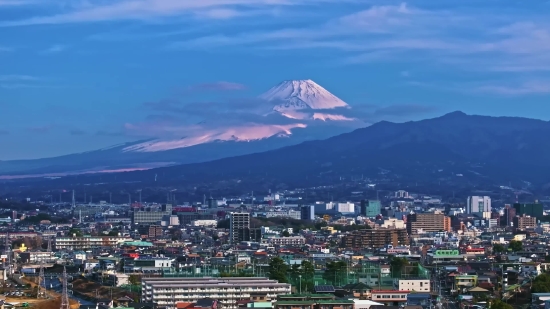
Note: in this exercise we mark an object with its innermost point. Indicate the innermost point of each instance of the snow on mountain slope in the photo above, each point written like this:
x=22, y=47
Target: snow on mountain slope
x=300, y=95
x=240, y=134
x=303, y=101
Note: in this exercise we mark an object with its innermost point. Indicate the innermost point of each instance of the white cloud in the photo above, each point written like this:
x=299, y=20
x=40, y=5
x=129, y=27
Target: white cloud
x=98, y=11
x=57, y=48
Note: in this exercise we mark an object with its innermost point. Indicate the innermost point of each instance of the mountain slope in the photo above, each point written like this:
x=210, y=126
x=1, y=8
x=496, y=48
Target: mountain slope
x=209, y=140
x=501, y=149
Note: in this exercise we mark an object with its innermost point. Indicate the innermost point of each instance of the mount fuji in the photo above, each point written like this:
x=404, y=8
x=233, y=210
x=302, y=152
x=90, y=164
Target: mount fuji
x=292, y=112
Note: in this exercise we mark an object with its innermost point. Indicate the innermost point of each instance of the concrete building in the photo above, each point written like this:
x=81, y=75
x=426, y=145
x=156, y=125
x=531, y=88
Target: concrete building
x=375, y=238
x=239, y=224
x=204, y=223
x=417, y=285
x=88, y=242
x=165, y=292
x=150, y=216
x=525, y=222
x=534, y=210
x=370, y=208
x=307, y=213
x=291, y=240
x=427, y=222
x=479, y=205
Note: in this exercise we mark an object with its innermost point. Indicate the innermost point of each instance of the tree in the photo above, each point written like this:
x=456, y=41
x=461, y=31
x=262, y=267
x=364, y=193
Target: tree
x=334, y=272
x=76, y=232
x=541, y=284
x=286, y=233
x=397, y=265
x=308, y=274
x=515, y=245
x=499, y=304
x=278, y=270
x=498, y=248
x=134, y=279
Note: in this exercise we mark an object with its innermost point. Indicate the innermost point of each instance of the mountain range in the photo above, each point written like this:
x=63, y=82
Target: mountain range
x=452, y=148
x=289, y=113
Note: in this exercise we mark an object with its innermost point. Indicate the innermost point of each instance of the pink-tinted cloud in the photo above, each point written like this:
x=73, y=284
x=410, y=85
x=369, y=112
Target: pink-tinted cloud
x=216, y=86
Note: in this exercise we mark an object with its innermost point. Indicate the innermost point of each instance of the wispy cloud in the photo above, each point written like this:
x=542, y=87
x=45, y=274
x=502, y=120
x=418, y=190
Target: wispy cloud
x=41, y=129
x=101, y=11
x=215, y=87
x=475, y=39
x=523, y=88
x=4, y=132
x=5, y=49
x=57, y=48
x=17, y=78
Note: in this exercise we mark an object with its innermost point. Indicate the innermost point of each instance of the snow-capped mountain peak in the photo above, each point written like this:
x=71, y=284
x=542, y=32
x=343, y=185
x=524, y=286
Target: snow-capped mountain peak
x=301, y=94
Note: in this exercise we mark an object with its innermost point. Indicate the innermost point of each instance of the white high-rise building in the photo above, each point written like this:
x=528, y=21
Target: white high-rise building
x=479, y=205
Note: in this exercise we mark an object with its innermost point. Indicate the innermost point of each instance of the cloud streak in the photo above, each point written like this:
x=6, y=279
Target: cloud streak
x=216, y=87
x=101, y=11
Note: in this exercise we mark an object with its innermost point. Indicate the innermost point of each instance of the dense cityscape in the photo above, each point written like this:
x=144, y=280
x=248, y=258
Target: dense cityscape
x=274, y=154
x=277, y=251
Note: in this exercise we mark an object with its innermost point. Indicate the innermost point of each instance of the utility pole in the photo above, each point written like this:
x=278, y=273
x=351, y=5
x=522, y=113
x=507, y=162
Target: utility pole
x=41, y=283
x=65, y=294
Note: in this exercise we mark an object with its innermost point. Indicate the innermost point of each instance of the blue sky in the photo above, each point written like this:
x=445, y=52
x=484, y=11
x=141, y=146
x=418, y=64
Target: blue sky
x=78, y=75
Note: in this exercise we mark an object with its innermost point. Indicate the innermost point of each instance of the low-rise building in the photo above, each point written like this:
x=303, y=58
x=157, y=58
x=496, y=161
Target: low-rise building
x=166, y=292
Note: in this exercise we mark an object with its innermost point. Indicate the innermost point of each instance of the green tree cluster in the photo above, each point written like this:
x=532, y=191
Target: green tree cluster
x=335, y=271
x=541, y=284
x=499, y=304
x=278, y=270
x=302, y=275
x=515, y=245
x=497, y=248
x=76, y=232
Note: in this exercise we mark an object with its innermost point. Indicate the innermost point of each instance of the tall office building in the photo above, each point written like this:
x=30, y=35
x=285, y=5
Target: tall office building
x=509, y=215
x=479, y=205
x=307, y=212
x=370, y=208
x=533, y=210
x=239, y=226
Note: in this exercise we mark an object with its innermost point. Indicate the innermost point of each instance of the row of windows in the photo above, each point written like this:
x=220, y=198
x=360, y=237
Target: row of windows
x=394, y=296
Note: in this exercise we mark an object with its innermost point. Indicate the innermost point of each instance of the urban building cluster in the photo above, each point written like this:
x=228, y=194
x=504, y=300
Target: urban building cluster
x=402, y=250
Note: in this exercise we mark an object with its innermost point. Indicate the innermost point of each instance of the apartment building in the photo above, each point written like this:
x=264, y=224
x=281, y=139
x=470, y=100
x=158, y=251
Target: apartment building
x=166, y=292
x=389, y=297
x=88, y=242
x=525, y=222
x=151, y=216
x=291, y=240
x=375, y=238
x=239, y=223
x=427, y=222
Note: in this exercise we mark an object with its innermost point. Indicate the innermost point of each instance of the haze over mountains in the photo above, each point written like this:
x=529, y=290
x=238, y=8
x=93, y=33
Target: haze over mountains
x=289, y=113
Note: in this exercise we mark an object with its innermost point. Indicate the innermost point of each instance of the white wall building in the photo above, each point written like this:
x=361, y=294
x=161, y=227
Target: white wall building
x=417, y=285
x=479, y=205
x=167, y=291
x=204, y=223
